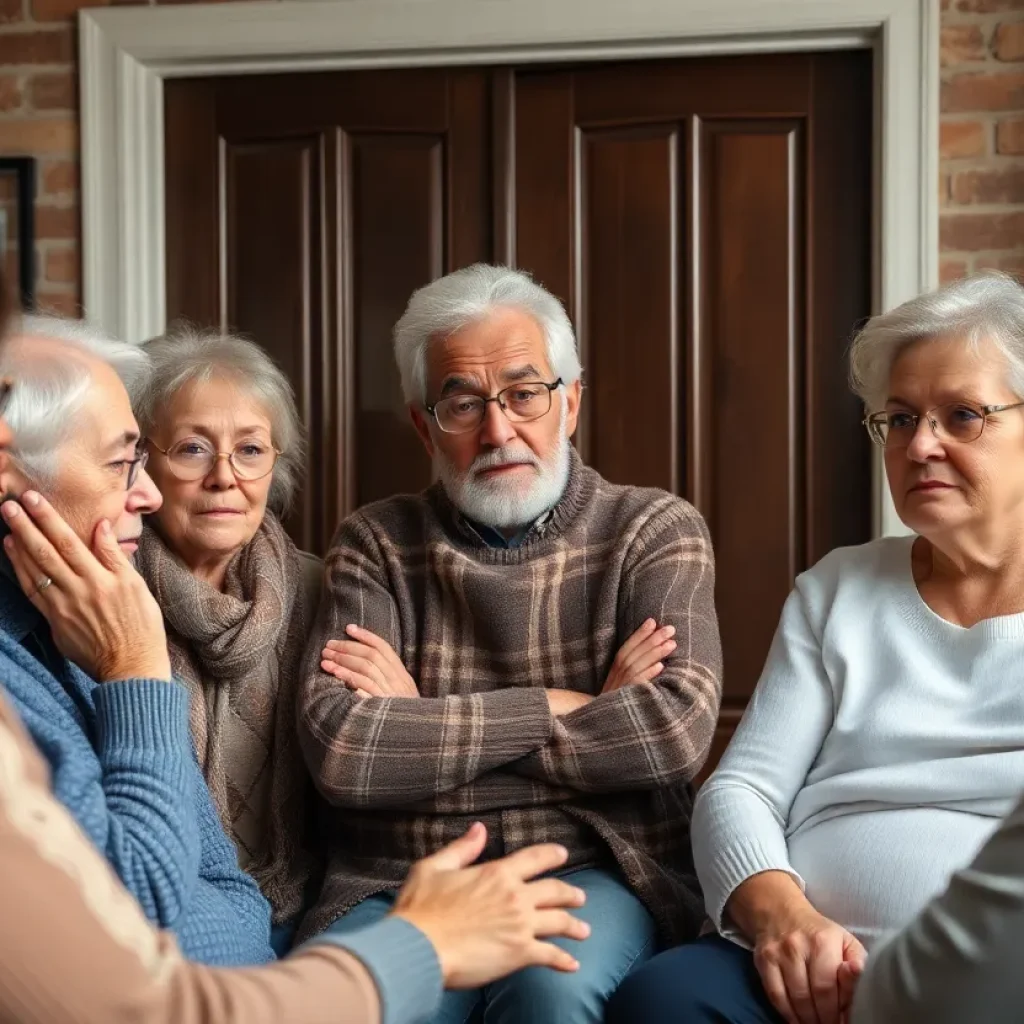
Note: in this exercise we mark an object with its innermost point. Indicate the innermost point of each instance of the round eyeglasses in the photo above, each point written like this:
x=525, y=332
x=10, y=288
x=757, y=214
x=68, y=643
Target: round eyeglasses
x=519, y=402
x=961, y=422
x=193, y=459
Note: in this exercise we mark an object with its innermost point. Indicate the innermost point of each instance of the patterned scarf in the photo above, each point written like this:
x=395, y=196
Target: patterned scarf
x=239, y=653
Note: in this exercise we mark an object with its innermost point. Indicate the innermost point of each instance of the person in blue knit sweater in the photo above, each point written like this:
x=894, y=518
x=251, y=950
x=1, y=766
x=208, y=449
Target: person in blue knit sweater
x=83, y=654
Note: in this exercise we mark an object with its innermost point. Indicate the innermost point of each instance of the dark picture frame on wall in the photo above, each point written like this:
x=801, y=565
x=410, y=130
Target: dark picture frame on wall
x=17, y=226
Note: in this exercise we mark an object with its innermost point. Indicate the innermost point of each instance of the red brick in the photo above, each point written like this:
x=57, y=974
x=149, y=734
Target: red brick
x=59, y=303
x=57, y=91
x=989, y=6
x=1009, y=41
x=11, y=10
x=989, y=185
x=944, y=179
x=37, y=136
x=1002, y=90
x=959, y=43
x=61, y=10
x=975, y=232
x=10, y=93
x=56, y=222
x=50, y=46
x=61, y=266
x=959, y=139
x=1010, y=136
x=60, y=176
x=952, y=270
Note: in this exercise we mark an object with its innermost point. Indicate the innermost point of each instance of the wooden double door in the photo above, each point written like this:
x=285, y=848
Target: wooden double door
x=706, y=222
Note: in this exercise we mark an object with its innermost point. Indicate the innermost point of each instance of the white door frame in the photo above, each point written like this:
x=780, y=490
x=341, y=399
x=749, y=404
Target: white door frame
x=126, y=53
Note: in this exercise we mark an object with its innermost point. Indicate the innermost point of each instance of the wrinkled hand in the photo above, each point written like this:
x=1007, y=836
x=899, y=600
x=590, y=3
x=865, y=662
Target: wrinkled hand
x=100, y=611
x=809, y=967
x=368, y=665
x=489, y=920
x=639, y=659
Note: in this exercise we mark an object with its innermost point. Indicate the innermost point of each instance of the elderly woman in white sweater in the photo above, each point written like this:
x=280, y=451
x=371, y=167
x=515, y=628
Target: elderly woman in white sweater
x=885, y=739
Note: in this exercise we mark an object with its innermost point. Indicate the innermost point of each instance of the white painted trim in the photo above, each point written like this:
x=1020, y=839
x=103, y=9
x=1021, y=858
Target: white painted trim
x=127, y=52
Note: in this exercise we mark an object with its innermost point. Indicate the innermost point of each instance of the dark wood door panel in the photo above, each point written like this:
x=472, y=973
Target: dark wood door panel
x=752, y=479
x=630, y=184
x=274, y=249
x=396, y=204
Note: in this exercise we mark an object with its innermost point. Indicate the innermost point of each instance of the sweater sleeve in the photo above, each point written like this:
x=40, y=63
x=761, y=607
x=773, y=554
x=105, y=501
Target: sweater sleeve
x=74, y=945
x=389, y=751
x=740, y=815
x=142, y=805
x=959, y=960
x=218, y=866
x=659, y=733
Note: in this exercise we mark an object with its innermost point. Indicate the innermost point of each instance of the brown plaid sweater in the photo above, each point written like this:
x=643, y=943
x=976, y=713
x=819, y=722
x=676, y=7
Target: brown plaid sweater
x=484, y=631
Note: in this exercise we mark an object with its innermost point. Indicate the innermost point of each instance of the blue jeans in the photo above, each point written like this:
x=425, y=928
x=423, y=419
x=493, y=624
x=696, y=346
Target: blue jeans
x=710, y=981
x=622, y=935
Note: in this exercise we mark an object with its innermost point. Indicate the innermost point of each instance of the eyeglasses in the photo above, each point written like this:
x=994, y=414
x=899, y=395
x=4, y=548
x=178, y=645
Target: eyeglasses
x=135, y=467
x=519, y=402
x=957, y=421
x=192, y=459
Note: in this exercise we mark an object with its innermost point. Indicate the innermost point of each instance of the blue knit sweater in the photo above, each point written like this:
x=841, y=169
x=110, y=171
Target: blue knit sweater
x=122, y=763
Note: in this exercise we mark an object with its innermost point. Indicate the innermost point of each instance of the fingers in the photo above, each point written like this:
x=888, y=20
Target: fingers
x=551, y=924
x=39, y=554
x=545, y=954
x=382, y=647
x=29, y=574
x=54, y=545
x=847, y=977
x=458, y=854
x=854, y=954
x=106, y=549
x=798, y=988
x=822, y=975
x=551, y=893
x=641, y=633
x=355, y=664
x=535, y=860
x=659, y=646
x=775, y=990
x=353, y=680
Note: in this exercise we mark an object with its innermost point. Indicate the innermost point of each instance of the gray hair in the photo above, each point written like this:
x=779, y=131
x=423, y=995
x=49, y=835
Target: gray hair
x=49, y=392
x=467, y=296
x=188, y=355
x=987, y=306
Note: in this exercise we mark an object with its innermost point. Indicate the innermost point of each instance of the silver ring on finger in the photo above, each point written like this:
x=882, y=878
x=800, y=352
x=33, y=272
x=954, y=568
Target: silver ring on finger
x=43, y=584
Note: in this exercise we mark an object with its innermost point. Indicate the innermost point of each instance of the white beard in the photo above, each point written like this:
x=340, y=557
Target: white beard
x=508, y=504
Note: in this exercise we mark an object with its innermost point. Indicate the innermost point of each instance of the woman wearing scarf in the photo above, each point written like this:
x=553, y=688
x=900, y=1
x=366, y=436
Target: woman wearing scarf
x=238, y=597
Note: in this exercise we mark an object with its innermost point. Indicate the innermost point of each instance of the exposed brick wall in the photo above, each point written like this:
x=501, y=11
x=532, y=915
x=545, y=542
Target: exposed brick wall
x=982, y=133
x=981, y=182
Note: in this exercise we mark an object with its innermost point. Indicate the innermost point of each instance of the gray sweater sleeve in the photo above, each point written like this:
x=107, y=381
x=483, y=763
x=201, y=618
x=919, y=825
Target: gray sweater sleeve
x=960, y=959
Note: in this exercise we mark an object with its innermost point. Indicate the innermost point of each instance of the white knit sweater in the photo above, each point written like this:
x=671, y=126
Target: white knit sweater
x=880, y=749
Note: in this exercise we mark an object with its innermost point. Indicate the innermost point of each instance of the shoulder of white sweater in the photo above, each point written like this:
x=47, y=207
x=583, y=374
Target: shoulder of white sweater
x=856, y=566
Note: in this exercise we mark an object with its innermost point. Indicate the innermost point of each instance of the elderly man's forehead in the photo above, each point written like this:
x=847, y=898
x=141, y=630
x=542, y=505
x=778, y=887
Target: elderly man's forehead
x=38, y=348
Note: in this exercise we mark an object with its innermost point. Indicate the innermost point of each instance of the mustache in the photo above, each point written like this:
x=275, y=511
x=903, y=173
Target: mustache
x=503, y=457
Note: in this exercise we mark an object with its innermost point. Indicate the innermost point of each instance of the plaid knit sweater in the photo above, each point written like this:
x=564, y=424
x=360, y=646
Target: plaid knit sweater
x=484, y=631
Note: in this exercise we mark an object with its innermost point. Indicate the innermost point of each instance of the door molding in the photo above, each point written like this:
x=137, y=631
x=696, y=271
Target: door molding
x=126, y=53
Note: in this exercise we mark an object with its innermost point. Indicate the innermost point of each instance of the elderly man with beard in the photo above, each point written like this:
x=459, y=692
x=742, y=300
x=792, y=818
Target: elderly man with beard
x=524, y=644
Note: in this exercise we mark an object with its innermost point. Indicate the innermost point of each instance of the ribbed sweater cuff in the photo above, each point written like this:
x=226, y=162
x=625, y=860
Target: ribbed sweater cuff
x=732, y=866
x=403, y=964
x=520, y=715
x=143, y=715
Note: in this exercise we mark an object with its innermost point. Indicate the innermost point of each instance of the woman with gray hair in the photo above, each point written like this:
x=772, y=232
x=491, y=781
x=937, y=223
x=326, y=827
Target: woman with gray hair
x=225, y=450
x=885, y=739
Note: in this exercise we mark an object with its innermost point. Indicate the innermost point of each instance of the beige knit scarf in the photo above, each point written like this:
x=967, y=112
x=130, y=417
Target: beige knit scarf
x=239, y=652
